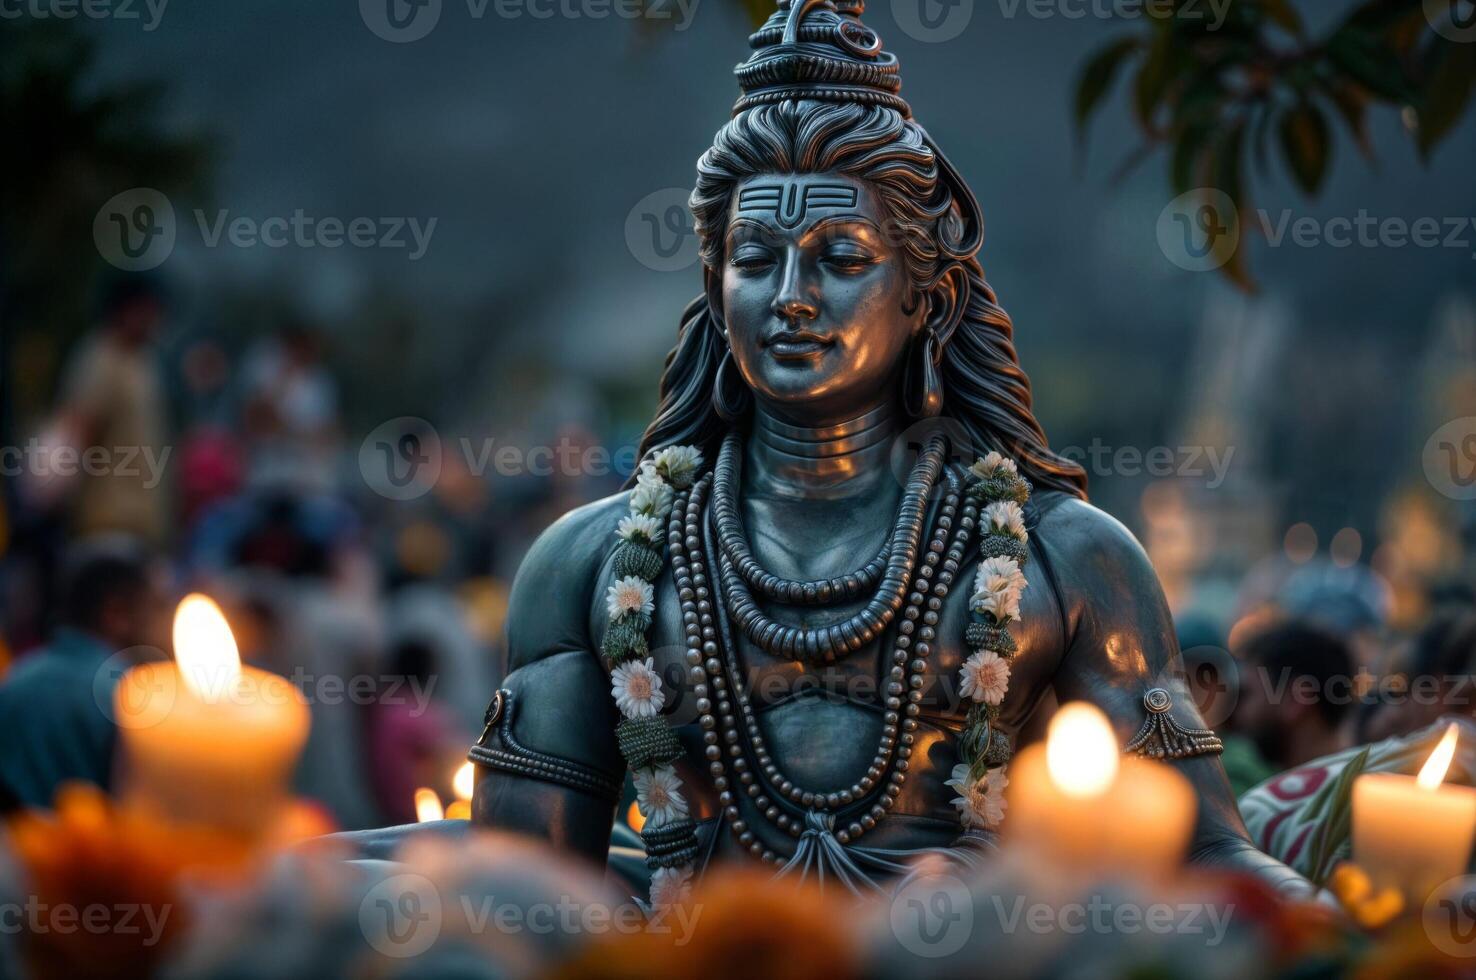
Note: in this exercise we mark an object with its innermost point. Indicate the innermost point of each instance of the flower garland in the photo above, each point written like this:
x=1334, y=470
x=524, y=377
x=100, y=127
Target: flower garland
x=985, y=676
x=646, y=741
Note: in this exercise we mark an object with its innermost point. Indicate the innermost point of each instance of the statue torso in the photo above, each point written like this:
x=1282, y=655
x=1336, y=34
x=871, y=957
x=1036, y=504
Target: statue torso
x=822, y=723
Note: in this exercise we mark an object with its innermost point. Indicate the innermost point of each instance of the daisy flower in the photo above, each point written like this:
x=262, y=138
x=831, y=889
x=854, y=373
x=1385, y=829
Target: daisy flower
x=630, y=595
x=679, y=464
x=985, y=677
x=1006, y=516
x=652, y=495
x=992, y=465
x=641, y=528
x=670, y=886
x=981, y=803
x=637, y=689
x=658, y=794
x=997, y=588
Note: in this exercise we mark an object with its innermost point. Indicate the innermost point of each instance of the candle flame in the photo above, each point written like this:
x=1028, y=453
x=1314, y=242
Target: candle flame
x=1081, y=750
x=464, y=781
x=635, y=817
x=204, y=648
x=428, y=805
x=1433, y=771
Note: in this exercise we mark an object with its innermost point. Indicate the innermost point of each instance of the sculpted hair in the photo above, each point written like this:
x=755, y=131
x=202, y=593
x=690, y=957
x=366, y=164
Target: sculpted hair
x=984, y=388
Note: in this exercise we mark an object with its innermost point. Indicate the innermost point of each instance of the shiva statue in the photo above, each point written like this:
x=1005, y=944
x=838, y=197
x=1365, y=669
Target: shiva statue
x=805, y=652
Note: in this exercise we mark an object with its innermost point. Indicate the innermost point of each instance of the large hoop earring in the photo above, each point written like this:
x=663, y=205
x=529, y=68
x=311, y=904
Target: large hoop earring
x=731, y=398
x=922, y=392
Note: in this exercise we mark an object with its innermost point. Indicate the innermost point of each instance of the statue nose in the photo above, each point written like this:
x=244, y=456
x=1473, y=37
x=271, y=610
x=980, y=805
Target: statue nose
x=790, y=302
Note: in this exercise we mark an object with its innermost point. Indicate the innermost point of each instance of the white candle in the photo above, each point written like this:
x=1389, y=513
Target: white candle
x=205, y=739
x=1083, y=807
x=1414, y=833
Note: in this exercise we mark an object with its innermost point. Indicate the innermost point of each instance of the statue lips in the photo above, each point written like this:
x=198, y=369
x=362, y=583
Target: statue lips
x=796, y=345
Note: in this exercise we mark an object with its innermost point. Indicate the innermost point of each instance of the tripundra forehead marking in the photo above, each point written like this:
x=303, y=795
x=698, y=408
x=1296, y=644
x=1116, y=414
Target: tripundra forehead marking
x=789, y=201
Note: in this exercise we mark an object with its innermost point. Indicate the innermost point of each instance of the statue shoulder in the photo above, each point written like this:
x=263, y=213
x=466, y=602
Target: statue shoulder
x=1095, y=560
x=549, y=606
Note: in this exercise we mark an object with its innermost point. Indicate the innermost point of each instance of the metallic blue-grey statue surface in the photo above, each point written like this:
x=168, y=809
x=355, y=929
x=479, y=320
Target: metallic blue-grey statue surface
x=814, y=627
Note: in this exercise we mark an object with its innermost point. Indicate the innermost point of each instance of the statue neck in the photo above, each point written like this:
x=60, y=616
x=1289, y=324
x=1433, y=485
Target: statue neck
x=821, y=462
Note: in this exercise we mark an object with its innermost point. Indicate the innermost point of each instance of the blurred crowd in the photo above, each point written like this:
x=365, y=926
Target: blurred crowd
x=230, y=472
x=164, y=468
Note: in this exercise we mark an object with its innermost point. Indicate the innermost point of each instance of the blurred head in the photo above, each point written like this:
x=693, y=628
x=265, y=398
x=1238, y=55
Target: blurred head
x=1296, y=692
x=132, y=308
x=1440, y=672
x=107, y=592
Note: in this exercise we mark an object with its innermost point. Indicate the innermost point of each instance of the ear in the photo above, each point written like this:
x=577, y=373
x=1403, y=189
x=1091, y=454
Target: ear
x=712, y=285
x=944, y=305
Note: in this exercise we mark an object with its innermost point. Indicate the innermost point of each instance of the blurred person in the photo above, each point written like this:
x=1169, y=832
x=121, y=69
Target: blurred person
x=1296, y=694
x=56, y=703
x=290, y=411
x=104, y=453
x=1440, y=678
x=412, y=742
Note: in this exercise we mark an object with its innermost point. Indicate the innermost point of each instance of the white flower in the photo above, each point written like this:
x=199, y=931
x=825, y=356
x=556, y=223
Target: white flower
x=630, y=595
x=658, y=794
x=997, y=588
x=670, y=886
x=993, y=464
x=638, y=527
x=1006, y=516
x=985, y=677
x=679, y=464
x=637, y=689
x=982, y=803
x=652, y=496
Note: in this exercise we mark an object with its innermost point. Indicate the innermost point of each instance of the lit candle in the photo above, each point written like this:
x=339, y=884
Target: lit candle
x=206, y=739
x=1084, y=807
x=1414, y=833
x=462, y=784
x=428, y=805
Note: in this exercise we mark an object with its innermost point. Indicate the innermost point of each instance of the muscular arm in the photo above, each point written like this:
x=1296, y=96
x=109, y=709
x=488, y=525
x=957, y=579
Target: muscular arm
x=1122, y=645
x=547, y=763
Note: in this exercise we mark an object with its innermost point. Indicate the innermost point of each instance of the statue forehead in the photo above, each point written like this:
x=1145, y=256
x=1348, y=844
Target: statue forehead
x=795, y=201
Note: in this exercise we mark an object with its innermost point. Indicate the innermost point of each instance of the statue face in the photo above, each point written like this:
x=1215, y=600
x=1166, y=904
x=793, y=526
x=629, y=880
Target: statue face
x=814, y=293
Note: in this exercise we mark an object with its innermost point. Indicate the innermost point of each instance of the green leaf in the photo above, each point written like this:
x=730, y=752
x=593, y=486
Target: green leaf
x=1229, y=177
x=1304, y=143
x=1371, y=61
x=1153, y=78
x=1096, y=78
x=1352, y=105
x=1446, y=92
x=1333, y=809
